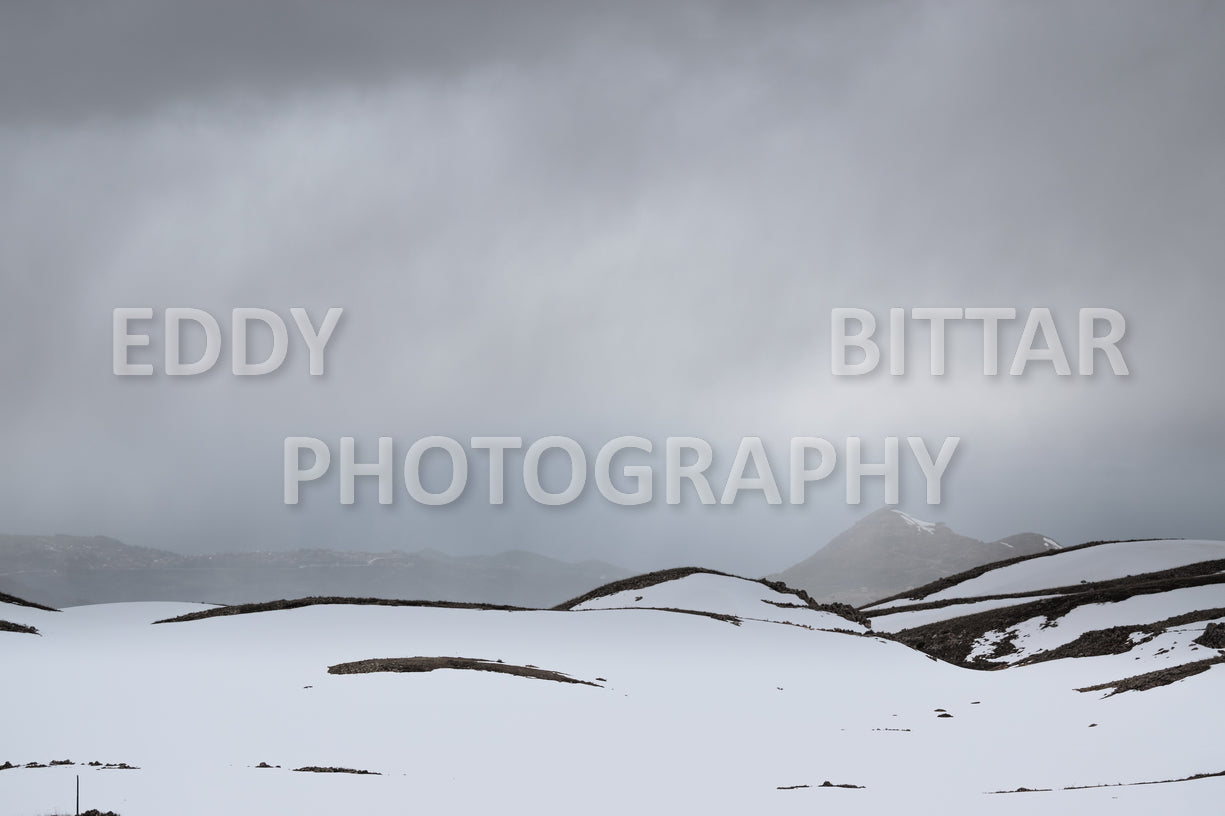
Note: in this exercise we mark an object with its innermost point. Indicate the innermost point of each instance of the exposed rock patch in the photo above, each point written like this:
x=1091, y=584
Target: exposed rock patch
x=6, y=626
x=1213, y=637
x=15, y=601
x=428, y=664
x=321, y=769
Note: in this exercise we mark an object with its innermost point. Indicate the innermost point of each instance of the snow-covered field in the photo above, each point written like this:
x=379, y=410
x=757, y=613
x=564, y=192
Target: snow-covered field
x=689, y=714
x=1041, y=634
x=717, y=594
x=1100, y=563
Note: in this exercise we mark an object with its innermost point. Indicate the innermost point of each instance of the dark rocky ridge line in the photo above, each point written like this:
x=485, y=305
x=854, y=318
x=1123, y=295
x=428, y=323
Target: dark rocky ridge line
x=7, y=626
x=1158, y=678
x=299, y=603
x=701, y=613
x=11, y=599
x=1118, y=639
x=952, y=640
x=918, y=593
x=1187, y=571
x=635, y=582
x=650, y=579
x=1191, y=778
x=844, y=611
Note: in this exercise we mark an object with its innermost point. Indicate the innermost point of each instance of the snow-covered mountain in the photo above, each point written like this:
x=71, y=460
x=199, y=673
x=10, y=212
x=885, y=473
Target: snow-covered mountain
x=680, y=691
x=889, y=551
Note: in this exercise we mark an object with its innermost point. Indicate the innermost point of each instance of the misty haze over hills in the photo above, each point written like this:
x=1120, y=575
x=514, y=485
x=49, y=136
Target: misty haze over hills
x=884, y=553
x=71, y=570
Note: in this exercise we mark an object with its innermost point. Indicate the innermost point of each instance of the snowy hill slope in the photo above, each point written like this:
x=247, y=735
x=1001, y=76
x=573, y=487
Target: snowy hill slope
x=1151, y=602
x=676, y=712
x=714, y=593
x=1101, y=562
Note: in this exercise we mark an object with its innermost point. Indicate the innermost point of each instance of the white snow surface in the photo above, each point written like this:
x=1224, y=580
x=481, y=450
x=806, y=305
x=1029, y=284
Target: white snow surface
x=1099, y=563
x=1039, y=635
x=720, y=594
x=690, y=714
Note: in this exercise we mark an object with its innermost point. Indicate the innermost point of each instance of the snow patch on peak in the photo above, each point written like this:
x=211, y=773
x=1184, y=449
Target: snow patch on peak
x=923, y=526
x=1051, y=544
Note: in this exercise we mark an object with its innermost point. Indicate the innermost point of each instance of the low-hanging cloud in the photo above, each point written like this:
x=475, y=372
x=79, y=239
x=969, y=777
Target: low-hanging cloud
x=597, y=223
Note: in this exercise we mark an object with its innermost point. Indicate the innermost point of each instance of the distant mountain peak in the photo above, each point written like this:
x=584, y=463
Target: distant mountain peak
x=889, y=551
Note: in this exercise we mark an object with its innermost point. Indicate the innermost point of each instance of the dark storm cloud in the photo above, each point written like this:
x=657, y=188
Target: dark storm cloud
x=121, y=58
x=605, y=221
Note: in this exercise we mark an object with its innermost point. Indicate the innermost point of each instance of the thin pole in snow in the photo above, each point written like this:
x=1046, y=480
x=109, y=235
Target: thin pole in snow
x=78, y=795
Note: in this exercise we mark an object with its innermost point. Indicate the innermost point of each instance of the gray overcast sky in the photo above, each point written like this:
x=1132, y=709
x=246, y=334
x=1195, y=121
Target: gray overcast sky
x=599, y=221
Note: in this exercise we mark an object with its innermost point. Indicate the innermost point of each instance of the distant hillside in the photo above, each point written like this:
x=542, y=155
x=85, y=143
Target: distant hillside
x=889, y=551
x=71, y=570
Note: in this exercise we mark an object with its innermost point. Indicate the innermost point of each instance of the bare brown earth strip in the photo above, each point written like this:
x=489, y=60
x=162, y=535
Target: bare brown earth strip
x=6, y=626
x=298, y=603
x=427, y=664
x=11, y=599
x=1155, y=679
